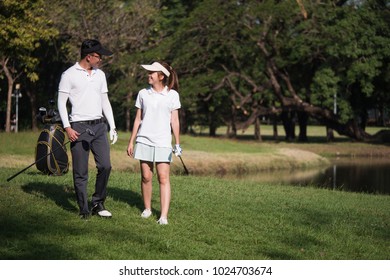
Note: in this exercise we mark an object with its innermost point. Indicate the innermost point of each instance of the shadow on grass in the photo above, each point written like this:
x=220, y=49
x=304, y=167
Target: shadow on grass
x=129, y=197
x=133, y=199
x=128, y=191
x=60, y=194
x=19, y=239
x=64, y=196
x=25, y=223
x=42, y=230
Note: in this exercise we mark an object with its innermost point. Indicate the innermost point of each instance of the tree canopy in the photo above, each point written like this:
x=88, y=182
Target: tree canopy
x=22, y=28
x=238, y=61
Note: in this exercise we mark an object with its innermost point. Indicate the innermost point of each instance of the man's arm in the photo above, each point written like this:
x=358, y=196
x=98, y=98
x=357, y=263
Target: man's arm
x=107, y=111
x=61, y=104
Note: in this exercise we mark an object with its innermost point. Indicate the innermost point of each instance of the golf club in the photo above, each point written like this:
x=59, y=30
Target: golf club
x=185, y=168
x=90, y=132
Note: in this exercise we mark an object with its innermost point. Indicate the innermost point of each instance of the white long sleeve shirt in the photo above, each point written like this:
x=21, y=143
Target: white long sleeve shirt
x=88, y=96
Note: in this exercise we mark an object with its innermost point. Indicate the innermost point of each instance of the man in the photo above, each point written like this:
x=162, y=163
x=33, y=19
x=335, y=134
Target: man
x=85, y=86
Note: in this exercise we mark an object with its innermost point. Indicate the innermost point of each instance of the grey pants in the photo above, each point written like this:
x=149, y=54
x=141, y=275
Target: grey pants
x=80, y=150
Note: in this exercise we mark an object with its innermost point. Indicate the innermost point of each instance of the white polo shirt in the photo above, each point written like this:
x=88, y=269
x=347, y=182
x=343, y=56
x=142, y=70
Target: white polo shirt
x=84, y=91
x=155, y=128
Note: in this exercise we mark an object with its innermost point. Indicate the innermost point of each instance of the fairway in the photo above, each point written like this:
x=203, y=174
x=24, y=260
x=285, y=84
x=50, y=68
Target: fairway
x=210, y=218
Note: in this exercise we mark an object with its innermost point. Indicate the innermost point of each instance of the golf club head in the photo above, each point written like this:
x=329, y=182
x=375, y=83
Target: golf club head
x=42, y=111
x=52, y=102
x=90, y=132
x=42, y=114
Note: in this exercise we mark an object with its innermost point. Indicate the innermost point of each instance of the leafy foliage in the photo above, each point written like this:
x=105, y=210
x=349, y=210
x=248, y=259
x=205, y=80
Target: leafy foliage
x=237, y=60
x=22, y=27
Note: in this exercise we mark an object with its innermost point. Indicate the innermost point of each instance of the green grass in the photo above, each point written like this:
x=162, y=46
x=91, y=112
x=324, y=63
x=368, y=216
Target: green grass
x=210, y=218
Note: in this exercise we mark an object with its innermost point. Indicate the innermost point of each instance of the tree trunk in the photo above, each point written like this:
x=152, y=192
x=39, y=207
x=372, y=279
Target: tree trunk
x=33, y=102
x=363, y=120
x=302, y=120
x=9, y=102
x=289, y=125
x=329, y=134
x=233, y=129
x=10, y=81
x=212, y=126
x=212, y=130
x=183, y=121
x=257, y=130
x=275, y=127
x=127, y=113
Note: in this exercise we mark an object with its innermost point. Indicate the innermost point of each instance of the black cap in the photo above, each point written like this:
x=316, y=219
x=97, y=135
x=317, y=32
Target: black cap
x=93, y=46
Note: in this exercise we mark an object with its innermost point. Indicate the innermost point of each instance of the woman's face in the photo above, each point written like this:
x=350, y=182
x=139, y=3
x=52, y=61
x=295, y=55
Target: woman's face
x=155, y=78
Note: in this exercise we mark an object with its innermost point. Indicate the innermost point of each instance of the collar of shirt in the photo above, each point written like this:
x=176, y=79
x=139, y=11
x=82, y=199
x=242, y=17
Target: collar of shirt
x=78, y=67
x=163, y=92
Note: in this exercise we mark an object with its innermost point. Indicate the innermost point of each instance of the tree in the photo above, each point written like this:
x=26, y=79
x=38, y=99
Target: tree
x=22, y=28
x=128, y=28
x=206, y=44
x=336, y=50
x=277, y=59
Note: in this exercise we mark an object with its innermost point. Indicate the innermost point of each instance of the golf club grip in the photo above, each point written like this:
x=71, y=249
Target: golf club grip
x=21, y=171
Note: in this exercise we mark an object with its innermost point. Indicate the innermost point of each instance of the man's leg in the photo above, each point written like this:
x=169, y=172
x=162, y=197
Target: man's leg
x=101, y=151
x=80, y=154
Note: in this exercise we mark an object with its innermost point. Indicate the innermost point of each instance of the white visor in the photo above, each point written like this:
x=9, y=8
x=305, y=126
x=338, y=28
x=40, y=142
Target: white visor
x=156, y=67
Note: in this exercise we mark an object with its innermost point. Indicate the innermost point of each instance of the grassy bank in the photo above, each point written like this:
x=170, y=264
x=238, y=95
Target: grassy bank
x=218, y=156
x=210, y=218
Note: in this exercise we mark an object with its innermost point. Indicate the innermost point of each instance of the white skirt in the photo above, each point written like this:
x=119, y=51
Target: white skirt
x=152, y=154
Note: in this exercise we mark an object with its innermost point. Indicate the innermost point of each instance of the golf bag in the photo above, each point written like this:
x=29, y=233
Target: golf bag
x=49, y=143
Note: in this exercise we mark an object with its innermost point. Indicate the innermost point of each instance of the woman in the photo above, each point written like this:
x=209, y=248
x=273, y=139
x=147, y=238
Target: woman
x=157, y=115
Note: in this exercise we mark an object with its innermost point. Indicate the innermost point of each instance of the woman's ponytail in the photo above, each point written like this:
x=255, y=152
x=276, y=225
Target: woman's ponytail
x=172, y=82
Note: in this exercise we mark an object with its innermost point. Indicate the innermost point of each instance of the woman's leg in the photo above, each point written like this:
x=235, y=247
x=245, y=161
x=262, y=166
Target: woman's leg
x=146, y=183
x=163, y=169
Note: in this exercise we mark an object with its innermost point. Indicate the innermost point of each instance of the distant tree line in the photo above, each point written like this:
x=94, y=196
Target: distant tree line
x=239, y=62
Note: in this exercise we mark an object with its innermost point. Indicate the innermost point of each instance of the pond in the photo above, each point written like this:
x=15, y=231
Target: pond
x=368, y=175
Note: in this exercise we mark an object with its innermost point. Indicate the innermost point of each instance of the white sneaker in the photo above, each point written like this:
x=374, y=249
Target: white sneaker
x=146, y=213
x=104, y=214
x=162, y=221
x=98, y=209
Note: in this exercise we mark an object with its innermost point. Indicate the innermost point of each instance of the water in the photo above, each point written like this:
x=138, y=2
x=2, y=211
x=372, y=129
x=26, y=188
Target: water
x=366, y=175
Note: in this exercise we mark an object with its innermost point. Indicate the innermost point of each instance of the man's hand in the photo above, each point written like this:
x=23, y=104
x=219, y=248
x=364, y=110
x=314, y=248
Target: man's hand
x=73, y=135
x=177, y=150
x=113, y=136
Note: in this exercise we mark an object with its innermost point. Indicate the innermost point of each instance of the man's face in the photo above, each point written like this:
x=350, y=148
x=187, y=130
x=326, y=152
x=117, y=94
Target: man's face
x=94, y=59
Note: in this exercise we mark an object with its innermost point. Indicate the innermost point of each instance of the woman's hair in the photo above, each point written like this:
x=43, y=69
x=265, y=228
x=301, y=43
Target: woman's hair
x=172, y=82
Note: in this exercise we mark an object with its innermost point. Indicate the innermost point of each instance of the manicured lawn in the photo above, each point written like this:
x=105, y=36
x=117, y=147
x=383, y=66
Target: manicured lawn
x=210, y=218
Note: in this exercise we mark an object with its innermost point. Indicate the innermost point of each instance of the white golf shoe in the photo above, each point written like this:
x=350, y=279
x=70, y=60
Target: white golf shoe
x=100, y=211
x=162, y=221
x=146, y=213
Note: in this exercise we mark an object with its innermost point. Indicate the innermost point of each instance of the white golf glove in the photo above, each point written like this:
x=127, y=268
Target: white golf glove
x=113, y=136
x=177, y=150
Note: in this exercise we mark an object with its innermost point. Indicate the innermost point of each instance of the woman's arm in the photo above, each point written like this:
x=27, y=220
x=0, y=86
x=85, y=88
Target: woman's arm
x=136, y=125
x=175, y=124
